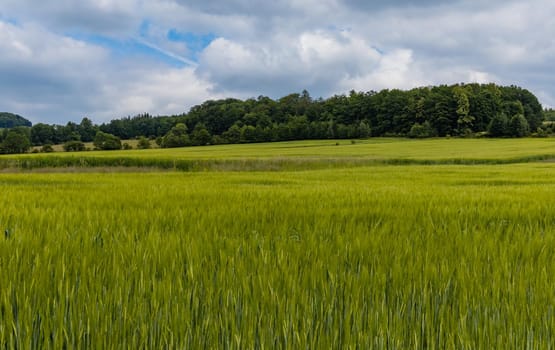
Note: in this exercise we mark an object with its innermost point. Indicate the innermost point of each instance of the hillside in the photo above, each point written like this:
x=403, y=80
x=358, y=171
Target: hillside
x=10, y=120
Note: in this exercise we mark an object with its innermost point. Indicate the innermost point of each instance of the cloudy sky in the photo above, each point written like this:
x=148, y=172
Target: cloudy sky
x=62, y=60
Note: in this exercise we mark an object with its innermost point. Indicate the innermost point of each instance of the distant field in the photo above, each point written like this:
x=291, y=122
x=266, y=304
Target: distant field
x=438, y=256
x=305, y=154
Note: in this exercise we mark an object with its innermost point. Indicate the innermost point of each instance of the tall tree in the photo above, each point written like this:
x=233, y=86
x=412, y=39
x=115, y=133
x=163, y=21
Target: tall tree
x=16, y=141
x=518, y=126
x=176, y=137
x=464, y=119
x=42, y=134
x=200, y=135
x=87, y=130
x=498, y=126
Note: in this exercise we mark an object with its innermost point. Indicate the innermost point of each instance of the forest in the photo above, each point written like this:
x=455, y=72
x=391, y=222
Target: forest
x=461, y=110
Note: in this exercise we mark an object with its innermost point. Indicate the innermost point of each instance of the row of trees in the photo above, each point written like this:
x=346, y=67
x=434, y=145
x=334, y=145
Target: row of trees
x=18, y=140
x=456, y=110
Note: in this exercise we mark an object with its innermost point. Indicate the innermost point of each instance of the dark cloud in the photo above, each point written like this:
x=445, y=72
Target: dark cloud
x=108, y=17
x=376, y=5
x=237, y=7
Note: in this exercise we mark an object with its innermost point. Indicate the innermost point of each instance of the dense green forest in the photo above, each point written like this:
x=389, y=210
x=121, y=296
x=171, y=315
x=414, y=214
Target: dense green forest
x=464, y=110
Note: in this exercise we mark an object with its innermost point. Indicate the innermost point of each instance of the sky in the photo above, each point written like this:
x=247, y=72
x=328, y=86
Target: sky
x=62, y=60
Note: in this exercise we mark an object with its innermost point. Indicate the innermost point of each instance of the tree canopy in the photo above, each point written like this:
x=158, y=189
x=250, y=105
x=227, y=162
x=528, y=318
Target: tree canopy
x=456, y=110
x=435, y=111
x=15, y=140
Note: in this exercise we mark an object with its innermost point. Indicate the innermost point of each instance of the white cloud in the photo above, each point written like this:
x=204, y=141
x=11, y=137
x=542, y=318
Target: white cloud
x=328, y=48
x=33, y=45
x=52, y=78
x=39, y=68
x=316, y=60
x=480, y=77
x=394, y=70
x=165, y=92
x=271, y=48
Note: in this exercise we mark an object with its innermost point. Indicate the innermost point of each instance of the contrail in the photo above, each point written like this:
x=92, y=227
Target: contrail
x=168, y=53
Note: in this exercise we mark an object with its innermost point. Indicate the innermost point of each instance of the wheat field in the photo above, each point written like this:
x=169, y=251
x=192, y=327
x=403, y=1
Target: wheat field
x=379, y=256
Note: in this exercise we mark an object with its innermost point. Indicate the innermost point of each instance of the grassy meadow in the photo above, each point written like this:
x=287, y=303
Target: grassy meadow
x=359, y=255
x=301, y=155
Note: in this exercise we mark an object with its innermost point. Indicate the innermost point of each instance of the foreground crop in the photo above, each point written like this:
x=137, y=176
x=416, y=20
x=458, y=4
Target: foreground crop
x=375, y=257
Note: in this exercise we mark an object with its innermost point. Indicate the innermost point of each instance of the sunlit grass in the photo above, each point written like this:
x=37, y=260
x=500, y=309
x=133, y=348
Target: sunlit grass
x=301, y=155
x=379, y=148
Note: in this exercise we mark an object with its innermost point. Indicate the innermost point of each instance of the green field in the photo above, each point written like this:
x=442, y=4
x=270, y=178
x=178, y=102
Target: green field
x=301, y=155
x=355, y=255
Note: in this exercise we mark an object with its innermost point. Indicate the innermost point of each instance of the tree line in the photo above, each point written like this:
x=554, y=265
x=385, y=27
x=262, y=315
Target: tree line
x=462, y=110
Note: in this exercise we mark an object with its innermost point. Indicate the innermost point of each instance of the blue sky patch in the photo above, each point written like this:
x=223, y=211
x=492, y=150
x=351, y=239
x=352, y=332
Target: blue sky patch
x=134, y=47
x=10, y=20
x=144, y=28
x=195, y=42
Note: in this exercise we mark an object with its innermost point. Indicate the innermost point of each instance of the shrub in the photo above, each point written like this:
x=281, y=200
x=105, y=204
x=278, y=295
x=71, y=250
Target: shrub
x=421, y=131
x=74, y=146
x=47, y=148
x=143, y=143
x=105, y=141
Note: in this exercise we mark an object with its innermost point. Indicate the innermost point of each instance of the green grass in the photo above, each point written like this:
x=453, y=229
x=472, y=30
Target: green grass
x=369, y=257
x=300, y=155
x=342, y=254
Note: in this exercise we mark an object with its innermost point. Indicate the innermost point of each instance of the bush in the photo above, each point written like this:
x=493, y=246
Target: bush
x=47, y=148
x=143, y=143
x=420, y=131
x=105, y=141
x=74, y=146
x=540, y=132
x=127, y=146
x=219, y=140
